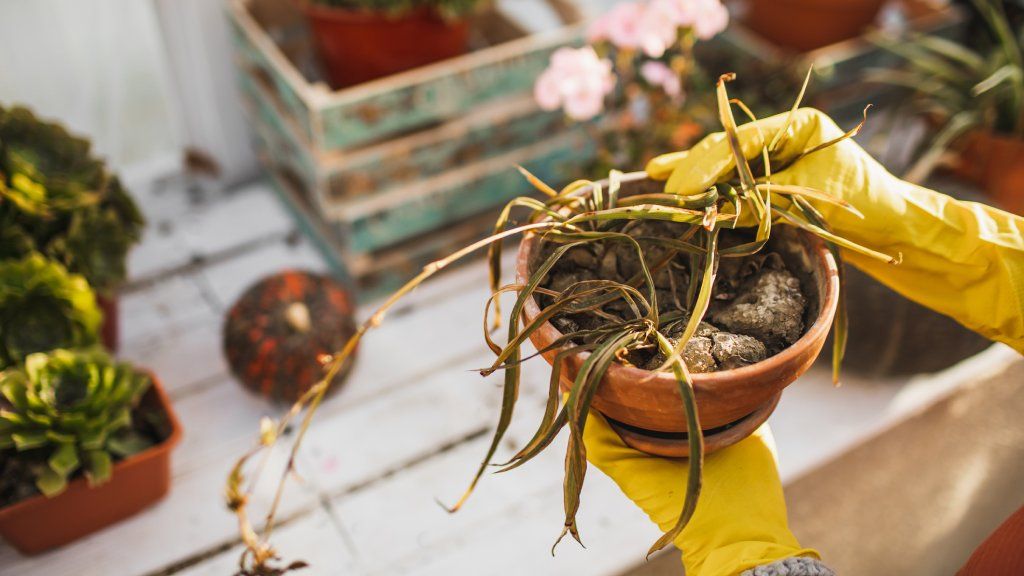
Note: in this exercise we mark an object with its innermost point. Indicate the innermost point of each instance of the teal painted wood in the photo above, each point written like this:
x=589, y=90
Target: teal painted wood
x=376, y=115
x=407, y=216
x=360, y=115
x=504, y=128
x=251, y=51
x=289, y=148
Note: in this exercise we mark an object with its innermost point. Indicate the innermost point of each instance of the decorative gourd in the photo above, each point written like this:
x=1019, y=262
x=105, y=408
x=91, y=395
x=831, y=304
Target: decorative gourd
x=281, y=328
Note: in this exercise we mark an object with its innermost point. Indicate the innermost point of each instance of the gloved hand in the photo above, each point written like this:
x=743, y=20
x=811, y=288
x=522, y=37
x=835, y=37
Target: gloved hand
x=963, y=259
x=740, y=520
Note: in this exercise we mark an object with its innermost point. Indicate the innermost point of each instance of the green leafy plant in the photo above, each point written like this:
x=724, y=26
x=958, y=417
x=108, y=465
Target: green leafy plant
x=55, y=198
x=43, y=307
x=582, y=213
x=449, y=8
x=960, y=88
x=66, y=411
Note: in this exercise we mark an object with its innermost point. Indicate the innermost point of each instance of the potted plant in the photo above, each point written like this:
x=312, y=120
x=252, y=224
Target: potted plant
x=84, y=442
x=58, y=200
x=43, y=307
x=804, y=25
x=704, y=302
x=360, y=40
x=974, y=97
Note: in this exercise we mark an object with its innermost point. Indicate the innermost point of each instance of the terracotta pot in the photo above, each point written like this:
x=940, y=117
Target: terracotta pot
x=648, y=401
x=357, y=46
x=39, y=523
x=804, y=25
x=110, y=330
x=996, y=163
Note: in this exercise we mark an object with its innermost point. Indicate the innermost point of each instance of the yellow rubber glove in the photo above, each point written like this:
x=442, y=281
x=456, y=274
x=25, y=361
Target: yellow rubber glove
x=740, y=520
x=963, y=259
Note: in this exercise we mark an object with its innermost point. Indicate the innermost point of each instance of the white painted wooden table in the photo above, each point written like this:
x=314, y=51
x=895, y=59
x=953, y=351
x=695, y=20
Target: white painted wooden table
x=397, y=436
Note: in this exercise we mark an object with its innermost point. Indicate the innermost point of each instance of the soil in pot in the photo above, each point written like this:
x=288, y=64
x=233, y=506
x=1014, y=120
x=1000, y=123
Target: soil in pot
x=356, y=46
x=804, y=25
x=759, y=307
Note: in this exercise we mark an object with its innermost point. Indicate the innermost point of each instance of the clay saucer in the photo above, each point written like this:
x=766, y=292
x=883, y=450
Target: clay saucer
x=676, y=445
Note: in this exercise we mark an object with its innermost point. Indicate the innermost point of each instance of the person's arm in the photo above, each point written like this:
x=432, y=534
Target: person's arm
x=963, y=259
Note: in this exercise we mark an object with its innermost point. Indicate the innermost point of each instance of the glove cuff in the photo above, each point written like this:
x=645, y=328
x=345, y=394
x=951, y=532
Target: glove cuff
x=796, y=566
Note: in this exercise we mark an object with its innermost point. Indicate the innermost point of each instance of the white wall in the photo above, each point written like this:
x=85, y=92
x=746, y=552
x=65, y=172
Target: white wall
x=96, y=65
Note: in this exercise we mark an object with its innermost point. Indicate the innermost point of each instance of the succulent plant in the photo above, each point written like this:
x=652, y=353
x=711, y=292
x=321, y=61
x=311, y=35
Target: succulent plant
x=68, y=410
x=55, y=198
x=43, y=307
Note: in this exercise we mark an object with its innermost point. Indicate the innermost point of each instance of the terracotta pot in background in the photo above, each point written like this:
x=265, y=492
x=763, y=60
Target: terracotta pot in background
x=39, y=523
x=804, y=25
x=110, y=330
x=648, y=405
x=357, y=46
x=996, y=163
x=891, y=335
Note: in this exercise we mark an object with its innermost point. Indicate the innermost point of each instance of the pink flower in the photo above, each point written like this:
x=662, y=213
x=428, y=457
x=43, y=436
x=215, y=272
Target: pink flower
x=658, y=74
x=577, y=80
x=709, y=18
x=622, y=24
x=658, y=29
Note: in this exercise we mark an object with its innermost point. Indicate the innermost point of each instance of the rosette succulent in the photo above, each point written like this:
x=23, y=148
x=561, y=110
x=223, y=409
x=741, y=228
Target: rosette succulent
x=55, y=198
x=43, y=307
x=67, y=411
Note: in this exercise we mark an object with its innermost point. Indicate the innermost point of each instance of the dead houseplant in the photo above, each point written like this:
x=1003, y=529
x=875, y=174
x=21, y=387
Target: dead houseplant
x=733, y=221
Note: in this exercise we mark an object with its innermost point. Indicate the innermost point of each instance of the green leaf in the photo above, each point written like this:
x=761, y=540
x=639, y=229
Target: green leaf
x=64, y=460
x=50, y=483
x=98, y=467
x=29, y=440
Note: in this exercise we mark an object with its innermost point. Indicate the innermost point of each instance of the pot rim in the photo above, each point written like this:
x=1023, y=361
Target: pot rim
x=827, y=307
x=151, y=453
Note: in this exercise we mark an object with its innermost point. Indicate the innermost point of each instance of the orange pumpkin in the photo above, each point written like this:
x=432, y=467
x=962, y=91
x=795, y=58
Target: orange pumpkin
x=280, y=330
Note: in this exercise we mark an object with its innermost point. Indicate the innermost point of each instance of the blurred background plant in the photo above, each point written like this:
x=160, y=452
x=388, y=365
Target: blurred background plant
x=961, y=88
x=43, y=307
x=639, y=67
x=57, y=199
x=66, y=411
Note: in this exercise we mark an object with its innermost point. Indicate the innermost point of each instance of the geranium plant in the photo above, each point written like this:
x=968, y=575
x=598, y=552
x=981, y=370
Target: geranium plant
x=57, y=199
x=625, y=316
x=639, y=66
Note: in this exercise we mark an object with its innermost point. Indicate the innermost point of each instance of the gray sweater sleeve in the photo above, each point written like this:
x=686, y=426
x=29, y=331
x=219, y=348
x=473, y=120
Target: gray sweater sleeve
x=797, y=566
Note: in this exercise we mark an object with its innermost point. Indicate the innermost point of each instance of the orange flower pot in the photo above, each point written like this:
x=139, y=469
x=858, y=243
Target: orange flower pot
x=804, y=25
x=996, y=163
x=357, y=46
x=645, y=407
x=39, y=523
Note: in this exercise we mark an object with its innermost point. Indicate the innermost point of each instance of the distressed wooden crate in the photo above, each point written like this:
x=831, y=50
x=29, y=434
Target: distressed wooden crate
x=393, y=182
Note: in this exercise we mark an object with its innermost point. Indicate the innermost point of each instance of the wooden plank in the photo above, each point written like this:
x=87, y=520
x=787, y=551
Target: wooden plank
x=377, y=221
x=315, y=538
x=485, y=133
x=436, y=92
